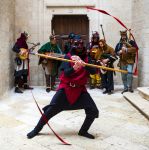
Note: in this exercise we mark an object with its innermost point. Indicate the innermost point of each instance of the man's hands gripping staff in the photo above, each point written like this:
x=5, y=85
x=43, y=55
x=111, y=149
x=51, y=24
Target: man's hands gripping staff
x=78, y=62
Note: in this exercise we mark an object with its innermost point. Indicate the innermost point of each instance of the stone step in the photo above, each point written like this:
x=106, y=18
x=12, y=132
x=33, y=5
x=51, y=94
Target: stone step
x=144, y=92
x=139, y=102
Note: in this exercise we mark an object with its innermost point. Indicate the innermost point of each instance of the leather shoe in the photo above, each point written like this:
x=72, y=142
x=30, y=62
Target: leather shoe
x=92, y=87
x=48, y=90
x=125, y=90
x=18, y=90
x=27, y=87
x=32, y=134
x=110, y=92
x=86, y=134
x=105, y=92
x=130, y=90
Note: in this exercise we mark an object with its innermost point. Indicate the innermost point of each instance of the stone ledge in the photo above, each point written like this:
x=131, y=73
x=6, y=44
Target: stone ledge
x=70, y=6
x=144, y=92
x=71, y=3
x=138, y=102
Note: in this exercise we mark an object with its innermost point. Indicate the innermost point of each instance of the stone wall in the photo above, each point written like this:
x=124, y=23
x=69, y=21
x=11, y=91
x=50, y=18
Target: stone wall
x=140, y=24
x=120, y=9
x=35, y=17
x=29, y=16
x=7, y=20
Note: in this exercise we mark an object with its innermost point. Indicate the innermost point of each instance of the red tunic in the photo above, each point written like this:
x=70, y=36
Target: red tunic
x=74, y=84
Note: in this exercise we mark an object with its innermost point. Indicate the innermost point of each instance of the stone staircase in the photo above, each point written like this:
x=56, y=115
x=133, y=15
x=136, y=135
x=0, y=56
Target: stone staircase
x=140, y=100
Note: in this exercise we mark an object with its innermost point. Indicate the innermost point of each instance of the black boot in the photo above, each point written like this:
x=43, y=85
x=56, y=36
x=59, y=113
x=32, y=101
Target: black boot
x=125, y=90
x=98, y=86
x=48, y=90
x=130, y=90
x=92, y=87
x=48, y=83
x=18, y=90
x=53, y=78
x=86, y=125
x=110, y=92
x=27, y=87
x=86, y=134
x=105, y=92
x=37, y=129
x=32, y=134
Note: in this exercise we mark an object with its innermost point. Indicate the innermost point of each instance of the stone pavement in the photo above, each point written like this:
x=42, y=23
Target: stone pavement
x=119, y=127
x=140, y=100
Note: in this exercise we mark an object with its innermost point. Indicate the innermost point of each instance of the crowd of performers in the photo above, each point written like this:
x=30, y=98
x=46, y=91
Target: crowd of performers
x=71, y=93
x=98, y=51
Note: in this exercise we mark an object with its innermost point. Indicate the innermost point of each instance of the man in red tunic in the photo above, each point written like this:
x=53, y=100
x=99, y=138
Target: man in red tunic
x=72, y=93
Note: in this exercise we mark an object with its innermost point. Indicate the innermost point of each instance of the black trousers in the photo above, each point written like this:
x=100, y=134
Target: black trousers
x=20, y=80
x=107, y=81
x=50, y=80
x=59, y=103
x=21, y=77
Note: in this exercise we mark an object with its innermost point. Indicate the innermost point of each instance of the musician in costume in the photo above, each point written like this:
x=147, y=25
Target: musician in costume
x=21, y=63
x=72, y=93
x=126, y=50
x=107, y=58
x=95, y=80
x=50, y=66
x=69, y=43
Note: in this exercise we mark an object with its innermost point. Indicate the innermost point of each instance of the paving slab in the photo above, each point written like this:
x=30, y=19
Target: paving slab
x=144, y=92
x=119, y=126
x=140, y=103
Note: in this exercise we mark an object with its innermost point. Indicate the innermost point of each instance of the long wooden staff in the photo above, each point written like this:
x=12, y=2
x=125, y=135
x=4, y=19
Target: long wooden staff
x=86, y=64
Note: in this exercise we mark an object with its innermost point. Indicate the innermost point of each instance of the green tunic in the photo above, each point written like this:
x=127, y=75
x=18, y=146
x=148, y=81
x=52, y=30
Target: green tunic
x=48, y=47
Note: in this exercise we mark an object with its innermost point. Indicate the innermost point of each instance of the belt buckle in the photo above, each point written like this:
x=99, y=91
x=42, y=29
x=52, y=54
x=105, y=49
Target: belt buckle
x=72, y=85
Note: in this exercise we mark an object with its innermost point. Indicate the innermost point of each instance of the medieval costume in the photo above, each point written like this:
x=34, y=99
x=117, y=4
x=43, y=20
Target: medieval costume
x=72, y=93
x=107, y=58
x=126, y=50
x=21, y=63
x=69, y=43
x=50, y=66
x=95, y=80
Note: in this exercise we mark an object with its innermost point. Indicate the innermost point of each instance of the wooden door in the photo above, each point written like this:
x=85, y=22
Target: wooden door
x=62, y=25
